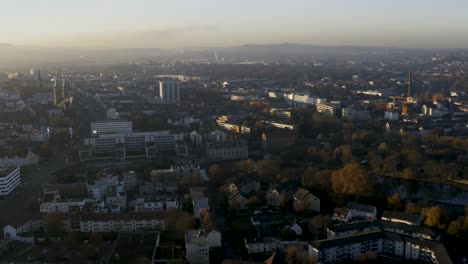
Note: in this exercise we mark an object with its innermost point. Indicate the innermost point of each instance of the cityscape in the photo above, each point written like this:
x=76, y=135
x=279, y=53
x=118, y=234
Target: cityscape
x=230, y=151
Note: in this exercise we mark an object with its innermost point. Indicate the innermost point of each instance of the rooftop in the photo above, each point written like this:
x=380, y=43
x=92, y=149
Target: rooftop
x=6, y=171
x=361, y=207
x=413, y=218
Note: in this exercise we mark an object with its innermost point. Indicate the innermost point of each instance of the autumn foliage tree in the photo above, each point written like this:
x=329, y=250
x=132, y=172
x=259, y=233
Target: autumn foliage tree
x=433, y=217
x=352, y=179
x=394, y=202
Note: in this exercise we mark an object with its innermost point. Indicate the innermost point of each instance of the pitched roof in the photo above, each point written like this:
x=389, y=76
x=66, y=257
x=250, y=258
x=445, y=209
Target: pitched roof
x=413, y=218
x=361, y=207
x=354, y=226
x=409, y=228
x=346, y=240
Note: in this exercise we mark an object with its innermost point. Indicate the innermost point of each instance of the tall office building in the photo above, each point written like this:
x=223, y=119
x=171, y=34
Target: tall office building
x=59, y=90
x=169, y=91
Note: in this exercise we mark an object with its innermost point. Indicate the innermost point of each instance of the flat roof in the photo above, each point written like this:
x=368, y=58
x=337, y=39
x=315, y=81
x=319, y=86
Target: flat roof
x=7, y=170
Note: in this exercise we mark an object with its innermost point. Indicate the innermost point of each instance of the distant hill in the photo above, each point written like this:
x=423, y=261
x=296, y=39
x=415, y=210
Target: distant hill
x=297, y=49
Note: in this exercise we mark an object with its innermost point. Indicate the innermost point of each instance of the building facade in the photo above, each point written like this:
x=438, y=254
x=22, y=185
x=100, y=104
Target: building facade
x=169, y=91
x=10, y=178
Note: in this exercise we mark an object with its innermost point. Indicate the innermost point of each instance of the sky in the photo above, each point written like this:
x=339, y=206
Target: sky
x=213, y=23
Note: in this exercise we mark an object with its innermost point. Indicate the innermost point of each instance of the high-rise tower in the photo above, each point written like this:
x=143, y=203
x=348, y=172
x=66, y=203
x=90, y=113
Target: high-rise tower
x=59, y=90
x=409, y=84
x=169, y=91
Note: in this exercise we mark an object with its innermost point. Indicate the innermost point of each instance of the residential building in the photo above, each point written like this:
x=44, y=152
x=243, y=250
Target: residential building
x=226, y=150
x=199, y=201
x=305, y=202
x=59, y=90
x=210, y=229
x=10, y=178
x=196, y=138
x=346, y=229
x=123, y=222
x=277, y=140
x=125, y=146
x=111, y=127
x=401, y=217
x=29, y=159
x=391, y=115
x=216, y=135
x=197, y=247
x=261, y=245
x=52, y=203
x=362, y=211
x=279, y=195
x=418, y=232
x=40, y=136
x=169, y=91
x=158, y=203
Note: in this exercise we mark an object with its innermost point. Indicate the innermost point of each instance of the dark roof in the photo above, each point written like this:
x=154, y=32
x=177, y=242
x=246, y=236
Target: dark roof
x=413, y=218
x=346, y=240
x=361, y=207
x=354, y=226
x=288, y=185
x=409, y=228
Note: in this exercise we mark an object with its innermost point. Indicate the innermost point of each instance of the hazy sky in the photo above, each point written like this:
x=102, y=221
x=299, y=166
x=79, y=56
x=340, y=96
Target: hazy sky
x=188, y=23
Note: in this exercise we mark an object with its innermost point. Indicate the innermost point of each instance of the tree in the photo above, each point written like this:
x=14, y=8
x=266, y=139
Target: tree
x=218, y=174
x=433, y=217
x=368, y=257
x=394, y=202
x=374, y=160
x=267, y=170
x=318, y=224
x=384, y=148
x=343, y=154
x=245, y=166
x=297, y=254
x=413, y=157
x=45, y=151
x=54, y=224
x=178, y=222
x=352, y=179
x=408, y=173
x=253, y=203
x=313, y=177
x=413, y=208
x=96, y=239
x=456, y=227
x=391, y=162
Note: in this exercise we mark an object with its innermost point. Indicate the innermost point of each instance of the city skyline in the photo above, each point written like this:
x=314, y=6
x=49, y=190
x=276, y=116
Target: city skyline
x=208, y=23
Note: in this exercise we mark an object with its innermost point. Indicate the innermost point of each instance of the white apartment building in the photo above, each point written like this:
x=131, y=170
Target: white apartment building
x=386, y=244
x=156, y=204
x=132, y=145
x=120, y=222
x=52, y=203
x=197, y=247
x=10, y=177
x=111, y=127
x=169, y=91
